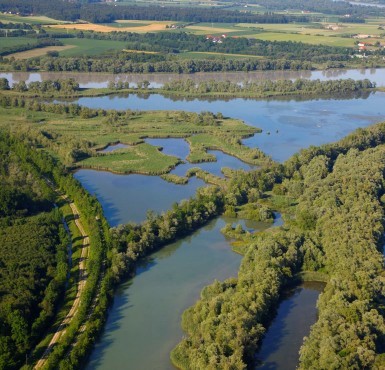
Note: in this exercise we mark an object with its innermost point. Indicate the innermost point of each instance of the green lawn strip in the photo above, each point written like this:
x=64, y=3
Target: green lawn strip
x=71, y=291
x=143, y=159
x=229, y=144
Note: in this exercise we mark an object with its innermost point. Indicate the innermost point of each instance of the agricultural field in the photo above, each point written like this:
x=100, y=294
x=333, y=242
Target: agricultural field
x=119, y=26
x=33, y=20
x=90, y=47
x=38, y=52
x=324, y=33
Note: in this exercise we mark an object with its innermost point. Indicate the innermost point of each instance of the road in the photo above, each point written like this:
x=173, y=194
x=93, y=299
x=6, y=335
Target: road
x=60, y=331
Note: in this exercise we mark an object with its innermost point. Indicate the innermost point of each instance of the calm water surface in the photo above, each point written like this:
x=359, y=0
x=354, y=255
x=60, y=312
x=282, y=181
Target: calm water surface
x=144, y=322
x=99, y=80
x=288, y=125
x=127, y=198
x=296, y=313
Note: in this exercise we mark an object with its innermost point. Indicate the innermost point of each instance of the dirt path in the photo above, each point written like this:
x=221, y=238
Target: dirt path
x=60, y=331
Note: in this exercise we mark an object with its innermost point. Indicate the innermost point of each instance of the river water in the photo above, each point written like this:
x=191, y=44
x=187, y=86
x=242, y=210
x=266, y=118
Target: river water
x=98, y=80
x=144, y=321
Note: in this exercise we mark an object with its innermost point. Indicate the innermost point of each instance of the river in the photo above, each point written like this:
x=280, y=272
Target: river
x=144, y=321
x=98, y=80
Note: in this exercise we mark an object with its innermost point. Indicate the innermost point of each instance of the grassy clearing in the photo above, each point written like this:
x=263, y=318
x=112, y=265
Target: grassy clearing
x=143, y=158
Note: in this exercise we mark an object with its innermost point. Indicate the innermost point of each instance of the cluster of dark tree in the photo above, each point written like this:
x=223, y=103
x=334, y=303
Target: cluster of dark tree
x=33, y=266
x=40, y=43
x=336, y=228
x=103, y=13
x=48, y=86
x=299, y=86
x=16, y=29
x=15, y=26
x=351, y=20
x=321, y=6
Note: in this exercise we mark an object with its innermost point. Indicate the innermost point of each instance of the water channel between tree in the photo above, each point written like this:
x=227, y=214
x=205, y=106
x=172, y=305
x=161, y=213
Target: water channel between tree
x=144, y=322
x=296, y=313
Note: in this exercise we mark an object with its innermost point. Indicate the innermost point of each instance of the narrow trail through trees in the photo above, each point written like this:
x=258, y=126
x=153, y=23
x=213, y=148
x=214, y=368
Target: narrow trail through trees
x=60, y=331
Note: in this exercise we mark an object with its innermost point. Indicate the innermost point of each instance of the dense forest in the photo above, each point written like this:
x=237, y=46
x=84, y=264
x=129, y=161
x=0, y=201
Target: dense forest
x=336, y=228
x=321, y=6
x=33, y=257
x=104, y=13
x=33, y=265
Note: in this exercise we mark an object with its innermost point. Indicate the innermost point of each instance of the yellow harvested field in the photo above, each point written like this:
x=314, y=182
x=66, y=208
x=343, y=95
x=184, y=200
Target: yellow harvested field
x=38, y=52
x=133, y=21
x=157, y=26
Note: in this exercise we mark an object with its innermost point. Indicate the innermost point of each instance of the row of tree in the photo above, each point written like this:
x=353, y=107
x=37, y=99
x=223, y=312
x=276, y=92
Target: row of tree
x=299, y=86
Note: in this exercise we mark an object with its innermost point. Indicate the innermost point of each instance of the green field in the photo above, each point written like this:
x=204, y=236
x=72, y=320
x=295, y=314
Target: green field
x=91, y=47
x=33, y=20
x=6, y=42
